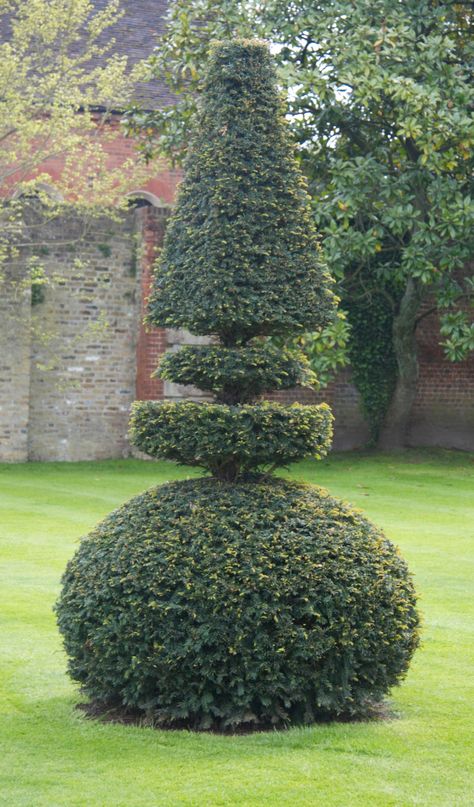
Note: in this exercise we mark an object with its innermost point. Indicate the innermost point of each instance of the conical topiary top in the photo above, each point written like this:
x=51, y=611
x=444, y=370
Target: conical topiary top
x=241, y=256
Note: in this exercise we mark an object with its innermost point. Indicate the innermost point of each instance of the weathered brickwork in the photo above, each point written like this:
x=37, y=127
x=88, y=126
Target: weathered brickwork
x=68, y=363
x=443, y=413
x=82, y=377
x=15, y=348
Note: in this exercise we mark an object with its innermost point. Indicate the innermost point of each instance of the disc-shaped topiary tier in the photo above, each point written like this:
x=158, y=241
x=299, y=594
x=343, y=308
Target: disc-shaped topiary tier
x=255, y=604
x=237, y=374
x=231, y=440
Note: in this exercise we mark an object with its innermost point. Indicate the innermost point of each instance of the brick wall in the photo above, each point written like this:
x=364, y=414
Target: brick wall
x=82, y=377
x=68, y=363
x=443, y=413
x=15, y=348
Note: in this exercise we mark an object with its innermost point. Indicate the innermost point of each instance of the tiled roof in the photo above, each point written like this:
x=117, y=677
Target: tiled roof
x=135, y=34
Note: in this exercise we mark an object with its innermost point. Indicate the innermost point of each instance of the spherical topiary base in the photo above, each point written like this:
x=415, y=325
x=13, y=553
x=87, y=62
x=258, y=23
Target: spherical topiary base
x=217, y=605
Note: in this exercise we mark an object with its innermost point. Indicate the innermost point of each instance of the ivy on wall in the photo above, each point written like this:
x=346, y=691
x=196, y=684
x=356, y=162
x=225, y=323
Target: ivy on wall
x=361, y=336
x=371, y=355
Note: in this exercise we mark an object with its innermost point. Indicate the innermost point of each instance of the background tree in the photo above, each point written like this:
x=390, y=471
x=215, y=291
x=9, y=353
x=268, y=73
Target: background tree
x=60, y=82
x=381, y=105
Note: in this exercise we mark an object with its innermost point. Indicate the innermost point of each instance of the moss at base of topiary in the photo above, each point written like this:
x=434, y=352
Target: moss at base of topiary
x=217, y=605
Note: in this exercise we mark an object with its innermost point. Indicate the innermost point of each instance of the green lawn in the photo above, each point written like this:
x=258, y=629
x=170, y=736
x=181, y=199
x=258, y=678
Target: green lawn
x=51, y=756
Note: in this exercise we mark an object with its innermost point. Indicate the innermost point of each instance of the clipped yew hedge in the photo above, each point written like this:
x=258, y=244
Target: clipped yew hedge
x=237, y=374
x=241, y=255
x=238, y=601
x=250, y=605
x=209, y=434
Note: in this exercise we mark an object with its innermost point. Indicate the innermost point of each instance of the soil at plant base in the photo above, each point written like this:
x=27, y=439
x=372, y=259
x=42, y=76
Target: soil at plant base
x=109, y=713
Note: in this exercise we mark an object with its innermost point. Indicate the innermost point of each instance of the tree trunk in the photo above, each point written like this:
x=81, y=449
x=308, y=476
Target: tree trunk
x=394, y=431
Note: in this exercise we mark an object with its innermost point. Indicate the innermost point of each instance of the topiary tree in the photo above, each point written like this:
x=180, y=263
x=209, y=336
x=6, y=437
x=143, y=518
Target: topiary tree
x=238, y=599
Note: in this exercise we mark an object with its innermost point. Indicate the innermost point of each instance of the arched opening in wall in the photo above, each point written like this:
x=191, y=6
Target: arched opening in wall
x=140, y=198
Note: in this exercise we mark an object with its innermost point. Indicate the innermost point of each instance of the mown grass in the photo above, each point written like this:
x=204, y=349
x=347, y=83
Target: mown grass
x=51, y=756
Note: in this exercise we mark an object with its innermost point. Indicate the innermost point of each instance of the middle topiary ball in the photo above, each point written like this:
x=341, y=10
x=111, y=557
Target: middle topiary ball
x=254, y=604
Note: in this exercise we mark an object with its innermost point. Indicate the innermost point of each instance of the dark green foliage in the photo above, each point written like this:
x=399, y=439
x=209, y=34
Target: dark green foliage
x=372, y=357
x=106, y=250
x=240, y=260
x=382, y=115
x=38, y=295
x=231, y=439
x=254, y=604
x=261, y=602
x=241, y=256
x=237, y=374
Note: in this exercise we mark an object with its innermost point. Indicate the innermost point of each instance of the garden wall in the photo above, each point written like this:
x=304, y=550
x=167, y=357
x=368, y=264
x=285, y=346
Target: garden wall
x=15, y=350
x=72, y=363
x=443, y=413
x=68, y=369
x=83, y=370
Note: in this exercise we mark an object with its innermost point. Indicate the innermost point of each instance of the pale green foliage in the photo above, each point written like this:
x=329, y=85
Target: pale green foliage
x=55, y=107
x=325, y=349
x=381, y=104
x=46, y=79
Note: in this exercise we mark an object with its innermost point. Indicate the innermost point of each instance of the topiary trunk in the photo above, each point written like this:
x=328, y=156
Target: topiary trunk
x=238, y=599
